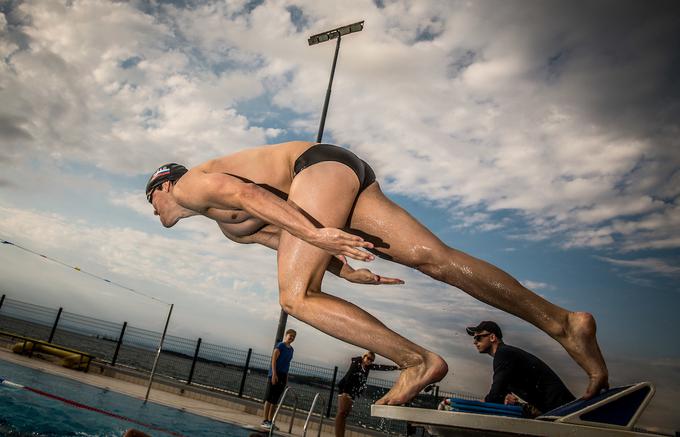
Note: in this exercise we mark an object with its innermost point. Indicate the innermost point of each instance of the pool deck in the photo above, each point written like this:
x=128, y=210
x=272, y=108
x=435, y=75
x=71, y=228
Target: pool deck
x=217, y=406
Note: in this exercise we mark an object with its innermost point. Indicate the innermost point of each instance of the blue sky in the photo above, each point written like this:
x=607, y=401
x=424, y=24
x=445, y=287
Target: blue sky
x=539, y=136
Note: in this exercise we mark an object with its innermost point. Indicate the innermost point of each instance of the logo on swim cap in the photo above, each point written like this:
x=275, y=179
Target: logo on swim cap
x=166, y=172
x=161, y=172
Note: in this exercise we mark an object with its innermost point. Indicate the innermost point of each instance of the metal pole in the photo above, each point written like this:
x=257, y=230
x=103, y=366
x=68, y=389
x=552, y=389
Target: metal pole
x=328, y=93
x=120, y=341
x=158, y=354
x=2, y=300
x=283, y=318
x=193, y=363
x=54, y=327
x=245, y=373
x=330, y=397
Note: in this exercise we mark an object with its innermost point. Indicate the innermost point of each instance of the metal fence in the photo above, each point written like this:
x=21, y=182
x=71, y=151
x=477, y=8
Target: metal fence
x=194, y=362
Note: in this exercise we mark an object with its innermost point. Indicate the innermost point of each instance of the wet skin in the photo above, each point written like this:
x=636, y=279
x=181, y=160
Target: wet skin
x=307, y=230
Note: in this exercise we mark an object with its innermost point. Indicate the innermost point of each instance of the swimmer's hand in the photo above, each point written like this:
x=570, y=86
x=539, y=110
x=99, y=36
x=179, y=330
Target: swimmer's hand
x=337, y=242
x=365, y=276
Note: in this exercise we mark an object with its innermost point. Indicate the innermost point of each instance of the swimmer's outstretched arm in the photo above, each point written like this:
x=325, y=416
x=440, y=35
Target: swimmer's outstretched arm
x=269, y=237
x=199, y=191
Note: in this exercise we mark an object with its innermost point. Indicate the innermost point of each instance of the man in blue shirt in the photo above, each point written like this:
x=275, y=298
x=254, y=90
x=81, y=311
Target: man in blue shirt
x=278, y=375
x=518, y=373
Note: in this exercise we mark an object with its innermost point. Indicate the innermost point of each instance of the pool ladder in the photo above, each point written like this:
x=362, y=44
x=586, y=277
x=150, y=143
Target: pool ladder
x=292, y=418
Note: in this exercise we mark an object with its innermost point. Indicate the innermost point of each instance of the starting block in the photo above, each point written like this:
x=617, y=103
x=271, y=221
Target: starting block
x=611, y=413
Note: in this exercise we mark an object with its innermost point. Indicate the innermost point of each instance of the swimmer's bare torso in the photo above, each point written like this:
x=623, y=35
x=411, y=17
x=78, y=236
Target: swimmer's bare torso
x=271, y=167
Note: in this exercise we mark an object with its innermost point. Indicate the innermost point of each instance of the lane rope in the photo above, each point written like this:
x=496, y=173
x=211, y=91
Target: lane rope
x=78, y=269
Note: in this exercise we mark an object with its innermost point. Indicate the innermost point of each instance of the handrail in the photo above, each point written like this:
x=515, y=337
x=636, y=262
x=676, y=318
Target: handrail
x=309, y=415
x=276, y=413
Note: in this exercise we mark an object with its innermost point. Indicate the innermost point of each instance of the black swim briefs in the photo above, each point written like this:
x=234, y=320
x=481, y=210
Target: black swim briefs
x=328, y=152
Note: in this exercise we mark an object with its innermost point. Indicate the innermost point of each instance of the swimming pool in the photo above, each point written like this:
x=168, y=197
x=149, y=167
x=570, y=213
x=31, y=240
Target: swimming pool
x=24, y=413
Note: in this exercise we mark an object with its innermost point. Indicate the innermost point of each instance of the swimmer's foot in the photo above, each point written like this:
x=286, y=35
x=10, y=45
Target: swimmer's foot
x=581, y=343
x=413, y=379
x=596, y=384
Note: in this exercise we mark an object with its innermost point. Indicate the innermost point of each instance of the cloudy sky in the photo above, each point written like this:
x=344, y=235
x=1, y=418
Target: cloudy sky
x=541, y=136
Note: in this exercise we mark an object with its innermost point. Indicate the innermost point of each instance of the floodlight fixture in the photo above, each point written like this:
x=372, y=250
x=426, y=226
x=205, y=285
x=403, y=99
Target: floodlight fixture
x=336, y=33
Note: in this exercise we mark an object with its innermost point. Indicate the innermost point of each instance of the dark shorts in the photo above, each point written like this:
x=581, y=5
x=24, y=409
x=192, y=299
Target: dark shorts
x=328, y=152
x=277, y=389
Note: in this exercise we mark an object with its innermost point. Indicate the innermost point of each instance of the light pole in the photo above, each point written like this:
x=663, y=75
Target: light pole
x=328, y=35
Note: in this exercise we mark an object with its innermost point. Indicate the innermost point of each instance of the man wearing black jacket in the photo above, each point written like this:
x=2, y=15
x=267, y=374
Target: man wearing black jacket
x=517, y=373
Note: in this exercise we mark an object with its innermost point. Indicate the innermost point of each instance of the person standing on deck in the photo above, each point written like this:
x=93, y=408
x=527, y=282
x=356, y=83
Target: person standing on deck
x=278, y=375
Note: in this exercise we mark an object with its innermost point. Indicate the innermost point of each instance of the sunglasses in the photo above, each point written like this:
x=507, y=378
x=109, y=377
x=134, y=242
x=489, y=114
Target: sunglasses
x=478, y=337
x=149, y=196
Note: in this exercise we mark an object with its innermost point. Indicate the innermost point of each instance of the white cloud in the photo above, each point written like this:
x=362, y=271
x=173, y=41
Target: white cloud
x=537, y=285
x=646, y=265
x=117, y=92
x=492, y=113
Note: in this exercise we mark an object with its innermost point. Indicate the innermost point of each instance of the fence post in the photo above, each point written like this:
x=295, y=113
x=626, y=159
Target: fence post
x=193, y=363
x=245, y=373
x=120, y=341
x=54, y=327
x=330, y=397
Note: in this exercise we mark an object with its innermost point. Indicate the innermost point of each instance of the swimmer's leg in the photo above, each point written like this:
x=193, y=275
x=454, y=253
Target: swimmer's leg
x=406, y=241
x=326, y=191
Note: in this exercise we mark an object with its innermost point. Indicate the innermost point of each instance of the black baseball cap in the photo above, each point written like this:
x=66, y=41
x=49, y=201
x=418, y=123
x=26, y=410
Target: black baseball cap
x=487, y=326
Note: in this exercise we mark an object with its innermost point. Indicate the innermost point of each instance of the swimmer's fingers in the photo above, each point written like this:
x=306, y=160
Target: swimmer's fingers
x=357, y=254
x=388, y=281
x=341, y=243
x=365, y=276
x=384, y=280
x=354, y=245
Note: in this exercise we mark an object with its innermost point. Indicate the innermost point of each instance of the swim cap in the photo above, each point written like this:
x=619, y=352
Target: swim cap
x=166, y=172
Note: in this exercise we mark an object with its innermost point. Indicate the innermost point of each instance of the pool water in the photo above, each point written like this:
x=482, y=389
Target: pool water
x=25, y=413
